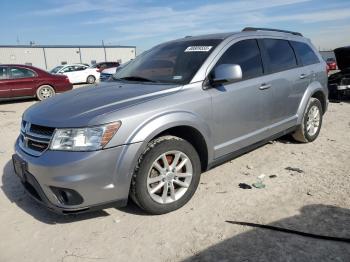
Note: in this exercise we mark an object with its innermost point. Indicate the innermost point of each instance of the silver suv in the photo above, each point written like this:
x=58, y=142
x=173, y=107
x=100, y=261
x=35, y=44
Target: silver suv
x=175, y=111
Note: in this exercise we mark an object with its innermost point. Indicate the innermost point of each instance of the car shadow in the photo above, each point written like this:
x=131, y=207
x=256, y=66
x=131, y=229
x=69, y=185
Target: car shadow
x=17, y=100
x=344, y=99
x=269, y=245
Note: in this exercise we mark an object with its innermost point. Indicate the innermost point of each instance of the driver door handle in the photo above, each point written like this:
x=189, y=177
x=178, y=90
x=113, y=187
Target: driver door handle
x=264, y=86
x=302, y=76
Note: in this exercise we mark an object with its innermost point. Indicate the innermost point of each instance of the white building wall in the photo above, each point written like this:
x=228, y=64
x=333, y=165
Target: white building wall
x=22, y=55
x=55, y=56
x=124, y=54
x=90, y=54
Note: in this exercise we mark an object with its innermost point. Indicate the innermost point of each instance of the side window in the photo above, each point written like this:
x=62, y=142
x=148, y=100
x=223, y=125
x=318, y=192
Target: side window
x=79, y=68
x=246, y=54
x=305, y=53
x=280, y=55
x=67, y=69
x=18, y=72
x=3, y=73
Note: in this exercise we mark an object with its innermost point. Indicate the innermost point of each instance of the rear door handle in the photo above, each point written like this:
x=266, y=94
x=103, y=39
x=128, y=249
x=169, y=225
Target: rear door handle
x=302, y=76
x=264, y=86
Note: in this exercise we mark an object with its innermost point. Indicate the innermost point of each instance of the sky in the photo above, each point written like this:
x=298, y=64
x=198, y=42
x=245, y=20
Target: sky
x=149, y=22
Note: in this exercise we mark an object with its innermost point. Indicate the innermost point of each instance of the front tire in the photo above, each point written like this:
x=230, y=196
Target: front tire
x=310, y=128
x=167, y=175
x=45, y=92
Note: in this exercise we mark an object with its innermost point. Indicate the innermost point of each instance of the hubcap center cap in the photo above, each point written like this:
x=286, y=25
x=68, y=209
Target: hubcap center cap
x=169, y=176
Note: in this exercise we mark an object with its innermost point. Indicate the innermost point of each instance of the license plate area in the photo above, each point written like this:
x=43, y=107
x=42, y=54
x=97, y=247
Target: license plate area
x=20, y=167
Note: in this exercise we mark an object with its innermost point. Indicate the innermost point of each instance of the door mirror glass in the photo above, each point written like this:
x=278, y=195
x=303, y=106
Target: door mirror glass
x=226, y=73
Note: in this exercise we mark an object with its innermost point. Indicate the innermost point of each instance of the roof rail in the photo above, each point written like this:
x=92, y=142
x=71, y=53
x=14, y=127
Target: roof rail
x=270, y=29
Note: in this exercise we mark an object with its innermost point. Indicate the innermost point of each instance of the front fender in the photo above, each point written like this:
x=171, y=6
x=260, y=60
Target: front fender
x=161, y=122
x=310, y=91
x=150, y=128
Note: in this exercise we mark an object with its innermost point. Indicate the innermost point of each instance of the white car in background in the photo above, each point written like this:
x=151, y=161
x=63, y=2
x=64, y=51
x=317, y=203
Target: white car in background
x=78, y=73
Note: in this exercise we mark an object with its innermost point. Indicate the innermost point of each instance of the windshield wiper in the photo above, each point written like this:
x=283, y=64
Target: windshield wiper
x=137, y=78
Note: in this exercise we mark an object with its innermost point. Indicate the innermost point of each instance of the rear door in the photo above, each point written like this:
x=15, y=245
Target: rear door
x=307, y=72
x=81, y=73
x=283, y=78
x=5, y=90
x=23, y=81
x=241, y=110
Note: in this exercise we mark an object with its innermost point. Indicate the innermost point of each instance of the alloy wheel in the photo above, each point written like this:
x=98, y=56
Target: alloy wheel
x=169, y=177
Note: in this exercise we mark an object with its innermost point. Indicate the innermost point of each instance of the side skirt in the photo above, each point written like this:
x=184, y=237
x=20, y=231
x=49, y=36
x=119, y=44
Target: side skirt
x=244, y=150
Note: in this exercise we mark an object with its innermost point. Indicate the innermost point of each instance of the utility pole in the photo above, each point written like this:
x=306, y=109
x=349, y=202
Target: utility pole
x=104, y=50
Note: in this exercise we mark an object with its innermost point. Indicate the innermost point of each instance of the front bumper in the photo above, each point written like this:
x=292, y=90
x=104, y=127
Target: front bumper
x=101, y=178
x=343, y=87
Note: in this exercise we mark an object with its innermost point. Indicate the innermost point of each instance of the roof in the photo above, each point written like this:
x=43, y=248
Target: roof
x=246, y=31
x=66, y=46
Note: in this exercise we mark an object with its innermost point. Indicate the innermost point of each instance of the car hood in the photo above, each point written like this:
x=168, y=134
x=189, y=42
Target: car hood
x=87, y=106
x=343, y=57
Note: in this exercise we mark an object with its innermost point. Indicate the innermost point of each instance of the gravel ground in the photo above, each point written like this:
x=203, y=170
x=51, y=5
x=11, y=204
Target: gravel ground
x=314, y=200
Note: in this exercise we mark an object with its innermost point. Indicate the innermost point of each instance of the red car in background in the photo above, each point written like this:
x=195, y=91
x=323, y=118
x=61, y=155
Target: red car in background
x=20, y=81
x=104, y=65
x=332, y=64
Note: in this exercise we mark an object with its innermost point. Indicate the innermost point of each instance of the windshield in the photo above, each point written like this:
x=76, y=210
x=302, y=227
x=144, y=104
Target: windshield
x=56, y=69
x=175, y=62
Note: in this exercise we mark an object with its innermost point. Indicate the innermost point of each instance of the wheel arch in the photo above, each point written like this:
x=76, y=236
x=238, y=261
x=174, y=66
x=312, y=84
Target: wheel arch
x=316, y=90
x=186, y=125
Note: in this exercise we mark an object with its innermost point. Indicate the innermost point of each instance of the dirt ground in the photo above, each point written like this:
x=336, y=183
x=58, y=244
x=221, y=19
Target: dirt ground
x=316, y=200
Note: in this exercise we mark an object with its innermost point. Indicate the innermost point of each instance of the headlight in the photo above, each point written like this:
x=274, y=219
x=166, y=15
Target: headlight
x=84, y=139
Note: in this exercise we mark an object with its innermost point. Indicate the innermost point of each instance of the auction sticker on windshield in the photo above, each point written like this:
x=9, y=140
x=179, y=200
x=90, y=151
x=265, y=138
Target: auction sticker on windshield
x=198, y=48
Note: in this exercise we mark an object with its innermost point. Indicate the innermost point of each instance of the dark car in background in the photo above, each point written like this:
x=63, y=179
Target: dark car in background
x=21, y=81
x=104, y=65
x=339, y=83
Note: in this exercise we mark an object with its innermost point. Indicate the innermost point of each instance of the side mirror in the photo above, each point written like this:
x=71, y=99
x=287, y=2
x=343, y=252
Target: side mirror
x=226, y=73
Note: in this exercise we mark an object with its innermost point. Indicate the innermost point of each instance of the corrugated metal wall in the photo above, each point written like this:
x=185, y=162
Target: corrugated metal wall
x=49, y=57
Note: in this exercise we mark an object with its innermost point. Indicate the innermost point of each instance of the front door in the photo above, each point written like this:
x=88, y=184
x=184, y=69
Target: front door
x=241, y=111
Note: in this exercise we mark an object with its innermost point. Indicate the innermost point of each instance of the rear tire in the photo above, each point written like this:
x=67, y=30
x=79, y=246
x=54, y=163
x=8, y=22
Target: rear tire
x=90, y=79
x=311, y=124
x=45, y=92
x=167, y=175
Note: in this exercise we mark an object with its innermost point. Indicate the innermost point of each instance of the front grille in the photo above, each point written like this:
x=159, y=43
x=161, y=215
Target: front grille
x=35, y=139
x=37, y=146
x=345, y=81
x=41, y=130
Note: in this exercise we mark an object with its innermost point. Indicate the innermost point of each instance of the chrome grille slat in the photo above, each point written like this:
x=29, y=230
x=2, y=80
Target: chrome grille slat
x=35, y=139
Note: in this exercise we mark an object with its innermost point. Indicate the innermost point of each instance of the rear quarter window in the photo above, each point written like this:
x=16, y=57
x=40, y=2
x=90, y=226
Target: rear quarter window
x=305, y=54
x=280, y=55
